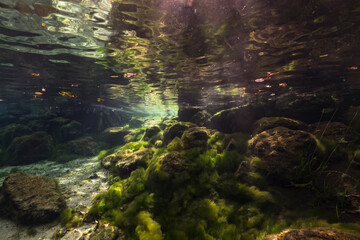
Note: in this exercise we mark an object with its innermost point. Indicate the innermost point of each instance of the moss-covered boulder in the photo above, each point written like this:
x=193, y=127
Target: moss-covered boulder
x=11, y=131
x=337, y=132
x=31, y=199
x=175, y=130
x=152, y=134
x=193, y=114
x=285, y=154
x=267, y=123
x=123, y=163
x=195, y=137
x=85, y=146
x=71, y=130
x=29, y=149
x=114, y=135
x=238, y=119
x=313, y=233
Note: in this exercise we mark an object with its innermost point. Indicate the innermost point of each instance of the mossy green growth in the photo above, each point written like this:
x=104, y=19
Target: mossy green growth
x=229, y=161
x=104, y=153
x=147, y=228
x=175, y=145
x=133, y=146
x=69, y=218
x=356, y=156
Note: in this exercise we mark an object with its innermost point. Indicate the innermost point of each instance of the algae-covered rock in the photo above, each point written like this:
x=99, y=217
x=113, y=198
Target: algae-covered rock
x=8, y=133
x=267, y=123
x=71, y=130
x=337, y=132
x=85, y=146
x=175, y=130
x=29, y=149
x=173, y=163
x=195, y=137
x=31, y=199
x=193, y=114
x=114, y=135
x=152, y=134
x=285, y=153
x=135, y=123
x=123, y=163
x=312, y=233
x=238, y=119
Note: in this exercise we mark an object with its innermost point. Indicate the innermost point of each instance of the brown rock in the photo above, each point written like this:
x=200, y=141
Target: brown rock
x=31, y=199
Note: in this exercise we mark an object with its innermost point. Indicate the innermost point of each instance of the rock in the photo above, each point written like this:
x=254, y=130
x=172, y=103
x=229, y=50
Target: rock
x=8, y=133
x=175, y=130
x=123, y=163
x=352, y=116
x=308, y=108
x=337, y=132
x=195, y=137
x=284, y=152
x=29, y=149
x=267, y=123
x=186, y=113
x=114, y=135
x=85, y=146
x=151, y=132
x=238, y=119
x=135, y=123
x=31, y=199
x=71, y=130
x=18, y=109
x=173, y=164
x=312, y=233
x=201, y=118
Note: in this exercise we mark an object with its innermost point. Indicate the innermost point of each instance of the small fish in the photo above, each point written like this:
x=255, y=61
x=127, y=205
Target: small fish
x=259, y=79
x=43, y=89
x=259, y=91
x=115, y=76
x=273, y=94
x=268, y=86
x=1, y=100
x=38, y=93
x=67, y=94
x=74, y=85
x=325, y=55
x=219, y=81
x=272, y=74
x=352, y=68
x=100, y=100
x=43, y=24
x=131, y=75
x=282, y=84
x=35, y=74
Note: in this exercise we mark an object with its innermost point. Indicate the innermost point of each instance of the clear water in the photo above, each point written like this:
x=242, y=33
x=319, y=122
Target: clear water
x=104, y=62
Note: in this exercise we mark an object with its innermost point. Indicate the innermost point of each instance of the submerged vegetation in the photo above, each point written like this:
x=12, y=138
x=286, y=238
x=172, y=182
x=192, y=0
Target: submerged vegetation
x=214, y=191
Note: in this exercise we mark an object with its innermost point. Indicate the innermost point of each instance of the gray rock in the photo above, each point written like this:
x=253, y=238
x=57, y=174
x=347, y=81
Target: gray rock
x=31, y=199
x=195, y=137
x=71, y=130
x=114, y=135
x=29, y=149
x=85, y=146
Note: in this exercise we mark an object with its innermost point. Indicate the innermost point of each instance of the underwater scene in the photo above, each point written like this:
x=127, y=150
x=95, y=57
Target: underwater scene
x=179, y=119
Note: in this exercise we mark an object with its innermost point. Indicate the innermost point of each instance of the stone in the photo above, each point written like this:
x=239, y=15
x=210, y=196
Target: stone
x=85, y=146
x=267, y=123
x=114, y=136
x=31, y=199
x=201, y=118
x=312, y=233
x=29, y=149
x=174, y=130
x=238, y=119
x=123, y=163
x=195, y=137
x=11, y=131
x=135, y=123
x=172, y=163
x=151, y=132
x=336, y=131
x=71, y=130
x=186, y=113
x=283, y=152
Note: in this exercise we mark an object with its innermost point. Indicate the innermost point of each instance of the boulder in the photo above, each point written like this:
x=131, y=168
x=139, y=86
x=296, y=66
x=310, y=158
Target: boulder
x=71, y=130
x=85, y=146
x=151, y=132
x=114, y=135
x=135, y=123
x=29, y=149
x=172, y=163
x=337, y=132
x=175, y=130
x=267, y=123
x=31, y=199
x=284, y=153
x=238, y=119
x=11, y=131
x=123, y=163
x=312, y=233
x=195, y=137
